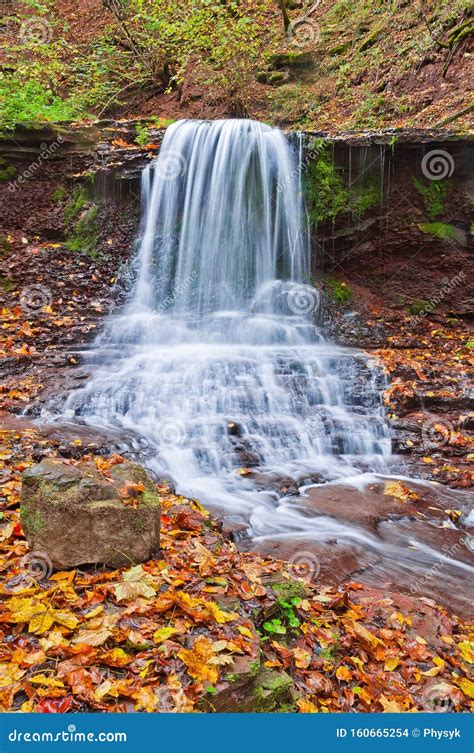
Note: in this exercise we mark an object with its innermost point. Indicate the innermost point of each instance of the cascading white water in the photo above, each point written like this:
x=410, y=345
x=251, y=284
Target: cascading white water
x=216, y=360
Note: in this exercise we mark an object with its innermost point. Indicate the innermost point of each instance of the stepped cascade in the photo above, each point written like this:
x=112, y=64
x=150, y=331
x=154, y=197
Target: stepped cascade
x=215, y=361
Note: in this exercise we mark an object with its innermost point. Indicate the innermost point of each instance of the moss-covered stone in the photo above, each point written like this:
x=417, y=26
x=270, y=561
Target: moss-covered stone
x=77, y=515
x=291, y=60
x=289, y=589
x=273, y=690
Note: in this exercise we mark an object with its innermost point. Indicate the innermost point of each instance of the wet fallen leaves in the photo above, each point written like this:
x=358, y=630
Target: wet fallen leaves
x=168, y=633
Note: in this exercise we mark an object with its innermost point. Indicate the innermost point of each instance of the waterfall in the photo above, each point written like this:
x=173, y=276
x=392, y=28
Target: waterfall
x=216, y=360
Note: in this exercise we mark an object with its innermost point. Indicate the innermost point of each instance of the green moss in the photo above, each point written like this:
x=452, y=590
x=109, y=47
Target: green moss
x=273, y=691
x=440, y=230
x=341, y=292
x=365, y=194
x=289, y=589
x=31, y=520
x=59, y=193
x=6, y=171
x=326, y=194
x=75, y=204
x=84, y=236
x=418, y=306
x=433, y=195
x=6, y=283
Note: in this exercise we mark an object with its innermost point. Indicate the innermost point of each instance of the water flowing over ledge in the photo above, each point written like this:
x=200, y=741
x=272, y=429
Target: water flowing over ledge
x=216, y=360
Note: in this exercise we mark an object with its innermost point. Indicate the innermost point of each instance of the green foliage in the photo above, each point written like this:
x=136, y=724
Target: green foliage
x=83, y=220
x=288, y=609
x=288, y=619
x=59, y=193
x=365, y=194
x=142, y=134
x=440, y=230
x=30, y=101
x=433, y=195
x=341, y=293
x=75, y=204
x=326, y=195
x=6, y=171
x=274, y=627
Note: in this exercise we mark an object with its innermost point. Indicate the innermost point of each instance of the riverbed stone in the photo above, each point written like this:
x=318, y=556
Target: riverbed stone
x=78, y=514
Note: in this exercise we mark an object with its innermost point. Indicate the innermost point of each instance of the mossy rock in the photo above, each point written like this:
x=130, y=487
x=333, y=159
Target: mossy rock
x=274, y=691
x=76, y=515
x=251, y=689
x=291, y=60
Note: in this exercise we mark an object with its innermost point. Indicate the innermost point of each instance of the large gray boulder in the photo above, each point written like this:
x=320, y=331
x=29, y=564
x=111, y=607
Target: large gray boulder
x=89, y=513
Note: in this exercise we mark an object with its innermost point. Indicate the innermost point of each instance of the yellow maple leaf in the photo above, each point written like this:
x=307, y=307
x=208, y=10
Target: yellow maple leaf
x=46, y=681
x=391, y=664
x=400, y=491
x=390, y=707
x=466, y=649
x=343, y=673
x=197, y=660
x=306, y=707
x=162, y=634
x=245, y=631
x=467, y=686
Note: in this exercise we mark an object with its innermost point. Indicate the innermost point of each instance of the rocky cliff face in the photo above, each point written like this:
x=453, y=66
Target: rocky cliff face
x=390, y=212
